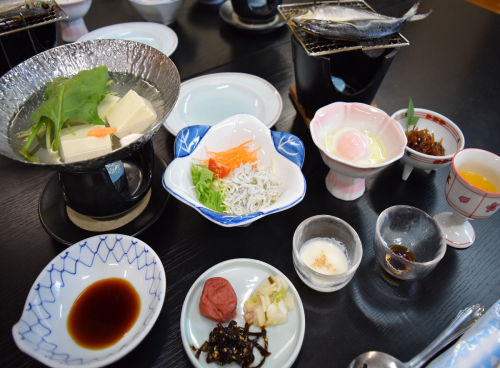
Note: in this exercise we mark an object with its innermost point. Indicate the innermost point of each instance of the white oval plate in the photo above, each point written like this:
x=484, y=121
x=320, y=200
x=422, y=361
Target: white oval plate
x=245, y=275
x=41, y=331
x=211, y=98
x=155, y=35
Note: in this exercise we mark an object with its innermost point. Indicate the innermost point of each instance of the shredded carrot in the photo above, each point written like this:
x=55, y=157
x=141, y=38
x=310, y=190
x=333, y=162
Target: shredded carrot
x=234, y=157
x=100, y=132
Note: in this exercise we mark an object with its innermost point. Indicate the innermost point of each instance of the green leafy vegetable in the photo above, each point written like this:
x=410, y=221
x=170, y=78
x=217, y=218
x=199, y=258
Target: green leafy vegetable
x=412, y=120
x=203, y=180
x=70, y=98
x=34, y=132
x=52, y=86
x=30, y=157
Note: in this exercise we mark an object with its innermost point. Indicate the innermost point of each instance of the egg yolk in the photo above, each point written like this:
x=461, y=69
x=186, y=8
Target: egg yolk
x=353, y=145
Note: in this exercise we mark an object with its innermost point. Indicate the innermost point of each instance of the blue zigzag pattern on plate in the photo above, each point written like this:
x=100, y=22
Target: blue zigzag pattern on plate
x=289, y=146
x=286, y=144
x=228, y=219
x=188, y=138
x=37, y=331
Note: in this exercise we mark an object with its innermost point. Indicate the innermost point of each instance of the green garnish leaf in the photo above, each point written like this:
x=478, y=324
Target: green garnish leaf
x=203, y=180
x=71, y=98
x=412, y=120
x=52, y=86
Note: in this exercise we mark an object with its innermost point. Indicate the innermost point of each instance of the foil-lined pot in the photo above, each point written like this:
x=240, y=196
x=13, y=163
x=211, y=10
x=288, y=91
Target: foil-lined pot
x=131, y=65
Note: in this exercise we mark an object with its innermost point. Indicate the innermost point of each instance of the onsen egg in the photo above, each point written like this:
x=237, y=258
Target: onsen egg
x=351, y=144
x=354, y=145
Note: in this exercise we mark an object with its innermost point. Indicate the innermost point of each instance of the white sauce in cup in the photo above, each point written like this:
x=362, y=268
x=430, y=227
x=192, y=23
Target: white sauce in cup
x=325, y=255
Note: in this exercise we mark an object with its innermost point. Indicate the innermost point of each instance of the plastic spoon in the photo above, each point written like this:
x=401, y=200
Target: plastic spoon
x=464, y=319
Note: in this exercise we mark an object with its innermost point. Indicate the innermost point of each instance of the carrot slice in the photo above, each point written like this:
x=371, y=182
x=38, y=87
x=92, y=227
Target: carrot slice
x=100, y=132
x=234, y=157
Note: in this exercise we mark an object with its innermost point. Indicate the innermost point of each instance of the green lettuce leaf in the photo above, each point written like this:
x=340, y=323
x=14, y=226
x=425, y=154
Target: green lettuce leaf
x=72, y=98
x=203, y=180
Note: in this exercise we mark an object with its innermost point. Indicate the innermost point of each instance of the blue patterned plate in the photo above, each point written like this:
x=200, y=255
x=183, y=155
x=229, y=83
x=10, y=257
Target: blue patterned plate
x=286, y=149
x=42, y=333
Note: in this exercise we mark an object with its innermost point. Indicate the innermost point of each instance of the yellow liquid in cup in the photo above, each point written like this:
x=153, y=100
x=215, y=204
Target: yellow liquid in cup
x=479, y=181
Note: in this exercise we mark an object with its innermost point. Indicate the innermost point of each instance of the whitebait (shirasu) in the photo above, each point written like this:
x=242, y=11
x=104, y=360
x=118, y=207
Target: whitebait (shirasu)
x=249, y=188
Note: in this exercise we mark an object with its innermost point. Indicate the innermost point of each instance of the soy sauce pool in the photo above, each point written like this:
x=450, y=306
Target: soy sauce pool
x=122, y=83
x=103, y=313
x=403, y=252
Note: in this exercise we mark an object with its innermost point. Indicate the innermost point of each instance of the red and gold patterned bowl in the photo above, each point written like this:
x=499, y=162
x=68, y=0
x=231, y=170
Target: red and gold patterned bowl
x=443, y=128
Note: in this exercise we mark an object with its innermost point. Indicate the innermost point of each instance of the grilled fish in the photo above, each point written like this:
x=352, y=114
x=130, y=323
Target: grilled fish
x=346, y=23
x=11, y=9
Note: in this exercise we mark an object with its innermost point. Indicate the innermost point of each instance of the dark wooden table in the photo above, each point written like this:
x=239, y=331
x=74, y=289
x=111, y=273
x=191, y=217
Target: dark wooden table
x=451, y=67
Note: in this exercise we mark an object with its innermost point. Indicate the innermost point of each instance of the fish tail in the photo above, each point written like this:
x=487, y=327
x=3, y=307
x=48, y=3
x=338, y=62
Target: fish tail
x=419, y=16
x=412, y=11
x=411, y=15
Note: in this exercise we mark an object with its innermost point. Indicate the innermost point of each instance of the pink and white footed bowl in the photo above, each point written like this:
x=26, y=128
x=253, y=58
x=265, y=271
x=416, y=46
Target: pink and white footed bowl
x=443, y=128
x=467, y=200
x=346, y=179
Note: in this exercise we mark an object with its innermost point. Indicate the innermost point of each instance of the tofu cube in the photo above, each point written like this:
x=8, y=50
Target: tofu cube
x=106, y=105
x=132, y=114
x=80, y=146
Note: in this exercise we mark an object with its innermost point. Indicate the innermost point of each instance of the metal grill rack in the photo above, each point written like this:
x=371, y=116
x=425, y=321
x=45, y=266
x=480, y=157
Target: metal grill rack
x=316, y=46
x=21, y=22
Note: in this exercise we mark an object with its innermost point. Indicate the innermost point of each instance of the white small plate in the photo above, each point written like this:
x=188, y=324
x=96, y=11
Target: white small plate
x=245, y=275
x=227, y=13
x=155, y=35
x=42, y=332
x=211, y=98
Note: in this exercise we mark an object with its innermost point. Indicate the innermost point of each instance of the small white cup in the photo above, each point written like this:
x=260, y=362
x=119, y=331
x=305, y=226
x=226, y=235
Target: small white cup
x=74, y=27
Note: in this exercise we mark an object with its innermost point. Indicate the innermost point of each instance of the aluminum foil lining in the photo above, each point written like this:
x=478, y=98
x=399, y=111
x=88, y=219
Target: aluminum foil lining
x=131, y=65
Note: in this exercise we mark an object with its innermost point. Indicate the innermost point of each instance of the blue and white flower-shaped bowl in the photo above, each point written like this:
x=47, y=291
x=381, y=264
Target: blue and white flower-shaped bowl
x=42, y=330
x=191, y=143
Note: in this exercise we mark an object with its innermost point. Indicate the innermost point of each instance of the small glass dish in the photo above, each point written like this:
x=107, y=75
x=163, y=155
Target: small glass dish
x=324, y=226
x=407, y=228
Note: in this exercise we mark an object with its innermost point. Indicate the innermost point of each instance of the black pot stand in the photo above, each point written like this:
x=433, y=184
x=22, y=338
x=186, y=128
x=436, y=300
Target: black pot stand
x=55, y=220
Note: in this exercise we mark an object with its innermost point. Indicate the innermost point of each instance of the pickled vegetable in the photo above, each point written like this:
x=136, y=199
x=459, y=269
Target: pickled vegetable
x=234, y=344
